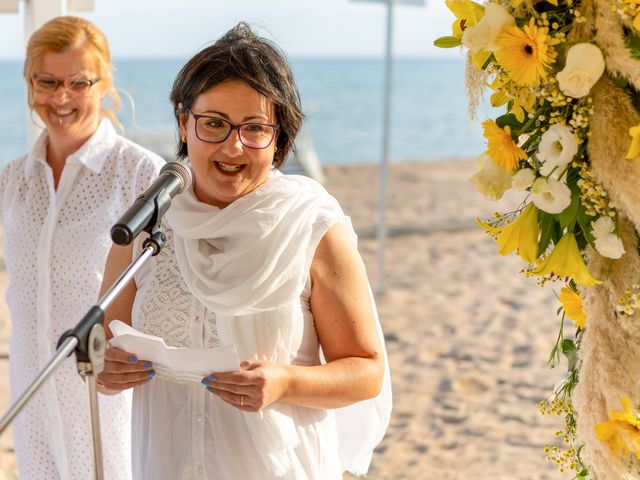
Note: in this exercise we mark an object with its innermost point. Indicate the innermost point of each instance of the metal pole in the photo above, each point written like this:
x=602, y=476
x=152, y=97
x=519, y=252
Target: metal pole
x=36, y=14
x=61, y=355
x=384, y=164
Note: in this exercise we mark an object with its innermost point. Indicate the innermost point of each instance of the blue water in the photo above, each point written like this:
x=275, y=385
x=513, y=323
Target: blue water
x=342, y=99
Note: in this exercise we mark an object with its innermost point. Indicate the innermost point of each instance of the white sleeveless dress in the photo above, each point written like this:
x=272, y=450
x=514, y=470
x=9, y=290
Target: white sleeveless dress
x=179, y=429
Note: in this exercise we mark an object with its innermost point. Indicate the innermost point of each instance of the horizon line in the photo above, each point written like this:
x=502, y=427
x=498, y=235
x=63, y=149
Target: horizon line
x=10, y=59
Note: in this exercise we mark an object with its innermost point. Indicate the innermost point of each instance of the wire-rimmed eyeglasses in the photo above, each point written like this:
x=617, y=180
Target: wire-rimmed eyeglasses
x=76, y=86
x=211, y=129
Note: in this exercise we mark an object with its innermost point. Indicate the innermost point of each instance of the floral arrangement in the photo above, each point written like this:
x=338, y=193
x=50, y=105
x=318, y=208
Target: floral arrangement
x=542, y=63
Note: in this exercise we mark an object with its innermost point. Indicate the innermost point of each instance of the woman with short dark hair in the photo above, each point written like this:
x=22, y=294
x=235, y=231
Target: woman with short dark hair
x=266, y=263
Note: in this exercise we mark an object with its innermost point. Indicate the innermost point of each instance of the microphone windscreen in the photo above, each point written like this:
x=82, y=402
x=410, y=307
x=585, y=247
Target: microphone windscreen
x=181, y=171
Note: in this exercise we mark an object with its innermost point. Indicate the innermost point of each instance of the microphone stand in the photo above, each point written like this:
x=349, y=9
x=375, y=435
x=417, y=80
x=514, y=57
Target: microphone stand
x=87, y=339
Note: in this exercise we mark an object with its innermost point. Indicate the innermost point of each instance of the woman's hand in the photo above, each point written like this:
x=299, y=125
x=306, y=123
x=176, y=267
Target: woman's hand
x=258, y=384
x=123, y=370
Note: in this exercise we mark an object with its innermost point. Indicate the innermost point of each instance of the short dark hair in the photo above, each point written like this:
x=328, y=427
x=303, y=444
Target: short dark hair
x=256, y=61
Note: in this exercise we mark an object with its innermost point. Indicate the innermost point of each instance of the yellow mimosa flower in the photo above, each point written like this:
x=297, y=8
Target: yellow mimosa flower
x=622, y=431
x=525, y=53
x=502, y=149
x=467, y=14
x=566, y=261
x=634, y=149
x=572, y=304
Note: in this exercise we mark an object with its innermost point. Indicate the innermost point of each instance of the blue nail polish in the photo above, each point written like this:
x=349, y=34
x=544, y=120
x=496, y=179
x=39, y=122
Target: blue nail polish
x=204, y=381
x=213, y=378
x=210, y=389
x=151, y=374
x=133, y=359
x=148, y=366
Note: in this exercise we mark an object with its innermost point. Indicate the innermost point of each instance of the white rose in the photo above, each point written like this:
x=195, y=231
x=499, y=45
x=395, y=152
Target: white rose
x=550, y=195
x=490, y=180
x=558, y=146
x=523, y=179
x=483, y=34
x=584, y=66
x=609, y=246
x=602, y=226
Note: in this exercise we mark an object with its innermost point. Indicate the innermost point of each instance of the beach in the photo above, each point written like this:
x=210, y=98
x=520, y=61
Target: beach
x=467, y=336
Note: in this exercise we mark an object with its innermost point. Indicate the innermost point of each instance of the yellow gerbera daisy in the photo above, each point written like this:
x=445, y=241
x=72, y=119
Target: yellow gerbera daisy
x=525, y=53
x=502, y=149
x=572, y=304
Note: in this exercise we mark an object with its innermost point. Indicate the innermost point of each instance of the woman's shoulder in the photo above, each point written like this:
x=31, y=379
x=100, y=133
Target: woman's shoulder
x=137, y=152
x=14, y=167
x=127, y=158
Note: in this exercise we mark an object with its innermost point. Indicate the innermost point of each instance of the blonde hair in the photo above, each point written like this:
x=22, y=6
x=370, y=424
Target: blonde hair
x=63, y=34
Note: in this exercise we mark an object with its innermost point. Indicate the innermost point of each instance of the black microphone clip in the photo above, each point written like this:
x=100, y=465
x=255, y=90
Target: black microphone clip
x=148, y=209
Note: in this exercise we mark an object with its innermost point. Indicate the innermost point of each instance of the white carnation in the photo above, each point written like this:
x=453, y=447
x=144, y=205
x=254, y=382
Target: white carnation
x=550, y=195
x=490, y=180
x=482, y=35
x=523, y=179
x=609, y=246
x=584, y=66
x=602, y=226
x=558, y=146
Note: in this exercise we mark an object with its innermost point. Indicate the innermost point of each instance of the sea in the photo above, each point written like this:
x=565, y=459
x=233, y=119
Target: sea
x=342, y=99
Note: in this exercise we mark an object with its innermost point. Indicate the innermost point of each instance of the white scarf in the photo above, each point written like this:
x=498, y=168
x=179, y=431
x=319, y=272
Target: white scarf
x=251, y=260
x=254, y=255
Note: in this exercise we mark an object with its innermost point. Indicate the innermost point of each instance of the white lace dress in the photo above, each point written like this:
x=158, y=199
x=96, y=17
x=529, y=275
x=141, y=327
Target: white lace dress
x=240, y=275
x=181, y=431
x=55, y=246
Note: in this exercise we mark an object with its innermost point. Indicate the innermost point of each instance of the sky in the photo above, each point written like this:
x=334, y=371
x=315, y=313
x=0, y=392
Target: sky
x=302, y=28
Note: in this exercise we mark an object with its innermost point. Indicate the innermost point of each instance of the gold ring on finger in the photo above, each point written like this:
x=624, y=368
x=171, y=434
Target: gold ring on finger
x=241, y=400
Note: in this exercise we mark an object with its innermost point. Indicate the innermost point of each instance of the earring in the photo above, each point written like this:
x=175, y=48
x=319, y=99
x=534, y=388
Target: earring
x=183, y=139
x=275, y=150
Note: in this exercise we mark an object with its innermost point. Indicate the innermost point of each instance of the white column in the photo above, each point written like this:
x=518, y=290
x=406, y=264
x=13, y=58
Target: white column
x=384, y=162
x=36, y=13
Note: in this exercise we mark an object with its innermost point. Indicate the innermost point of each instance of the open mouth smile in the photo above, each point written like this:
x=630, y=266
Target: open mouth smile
x=227, y=168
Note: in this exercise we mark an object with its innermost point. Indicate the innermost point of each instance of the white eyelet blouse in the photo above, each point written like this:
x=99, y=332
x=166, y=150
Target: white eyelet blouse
x=55, y=244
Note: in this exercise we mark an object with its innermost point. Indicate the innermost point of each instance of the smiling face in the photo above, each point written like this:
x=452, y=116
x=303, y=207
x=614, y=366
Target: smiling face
x=68, y=118
x=226, y=171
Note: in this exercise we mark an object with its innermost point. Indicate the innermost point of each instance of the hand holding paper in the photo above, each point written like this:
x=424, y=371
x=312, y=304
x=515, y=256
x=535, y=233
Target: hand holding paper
x=178, y=363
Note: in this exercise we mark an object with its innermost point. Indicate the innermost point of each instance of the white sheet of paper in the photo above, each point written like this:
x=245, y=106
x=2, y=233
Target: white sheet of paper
x=200, y=361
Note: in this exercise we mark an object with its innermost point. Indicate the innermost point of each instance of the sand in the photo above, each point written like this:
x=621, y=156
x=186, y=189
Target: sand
x=467, y=336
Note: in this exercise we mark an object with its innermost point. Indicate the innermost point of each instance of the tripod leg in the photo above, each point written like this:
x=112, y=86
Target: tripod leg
x=89, y=370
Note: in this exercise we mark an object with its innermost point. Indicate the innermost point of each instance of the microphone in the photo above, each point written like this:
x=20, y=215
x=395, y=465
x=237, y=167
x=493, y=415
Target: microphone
x=149, y=207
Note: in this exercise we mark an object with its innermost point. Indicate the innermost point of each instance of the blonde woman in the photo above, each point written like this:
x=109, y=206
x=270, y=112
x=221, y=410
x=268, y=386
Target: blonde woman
x=57, y=204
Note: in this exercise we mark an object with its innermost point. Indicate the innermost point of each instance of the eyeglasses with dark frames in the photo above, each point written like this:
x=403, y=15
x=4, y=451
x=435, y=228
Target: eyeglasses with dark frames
x=211, y=129
x=76, y=87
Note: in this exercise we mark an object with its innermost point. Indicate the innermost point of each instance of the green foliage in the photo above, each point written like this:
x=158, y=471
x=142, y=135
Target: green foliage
x=546, y=222
x=510, y=120
x=632, y=42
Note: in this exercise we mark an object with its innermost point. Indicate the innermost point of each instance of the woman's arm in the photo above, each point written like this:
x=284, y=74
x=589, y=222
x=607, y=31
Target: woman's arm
x=119, y=258
x=345, y=323
x=122, y=370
